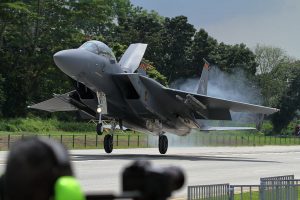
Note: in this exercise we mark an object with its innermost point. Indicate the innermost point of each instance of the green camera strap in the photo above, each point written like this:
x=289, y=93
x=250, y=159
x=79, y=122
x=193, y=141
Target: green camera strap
x=68, y=188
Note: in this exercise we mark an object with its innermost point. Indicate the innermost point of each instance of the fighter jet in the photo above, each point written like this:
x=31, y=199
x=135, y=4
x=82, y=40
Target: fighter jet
x=111, y=89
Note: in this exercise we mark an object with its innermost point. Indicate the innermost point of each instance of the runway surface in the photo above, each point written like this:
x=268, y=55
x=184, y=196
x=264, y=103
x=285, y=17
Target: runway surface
x=98, y=171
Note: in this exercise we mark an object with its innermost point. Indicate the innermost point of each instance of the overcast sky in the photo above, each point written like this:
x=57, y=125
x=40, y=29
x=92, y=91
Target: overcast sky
x=270, y=22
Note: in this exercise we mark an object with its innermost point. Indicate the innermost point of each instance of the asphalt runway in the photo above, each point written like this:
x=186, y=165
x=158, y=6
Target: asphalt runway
x=98, y=171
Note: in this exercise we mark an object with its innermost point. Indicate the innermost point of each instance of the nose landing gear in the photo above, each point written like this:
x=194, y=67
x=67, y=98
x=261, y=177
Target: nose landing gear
x=101, y=103
x=99, y=127
x=108, y=142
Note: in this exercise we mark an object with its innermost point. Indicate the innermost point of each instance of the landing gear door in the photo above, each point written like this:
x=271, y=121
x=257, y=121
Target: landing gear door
x=102, y=102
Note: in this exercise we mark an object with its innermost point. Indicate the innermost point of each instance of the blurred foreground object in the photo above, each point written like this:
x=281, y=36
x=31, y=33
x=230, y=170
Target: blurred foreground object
x=141, y=181
x=152, y=182
x=39, y=169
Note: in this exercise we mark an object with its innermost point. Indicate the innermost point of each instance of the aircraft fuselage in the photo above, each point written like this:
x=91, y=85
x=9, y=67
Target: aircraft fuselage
x=129, y=98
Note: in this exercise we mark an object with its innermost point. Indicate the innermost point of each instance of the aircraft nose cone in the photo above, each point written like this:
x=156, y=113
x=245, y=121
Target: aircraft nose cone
x=71, y=61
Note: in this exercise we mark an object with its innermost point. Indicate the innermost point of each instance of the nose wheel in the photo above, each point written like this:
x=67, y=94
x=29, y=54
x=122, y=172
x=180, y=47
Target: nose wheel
x=162, y=144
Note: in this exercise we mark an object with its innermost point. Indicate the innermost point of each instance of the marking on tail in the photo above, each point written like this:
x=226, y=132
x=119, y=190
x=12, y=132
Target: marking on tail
x=202, y=86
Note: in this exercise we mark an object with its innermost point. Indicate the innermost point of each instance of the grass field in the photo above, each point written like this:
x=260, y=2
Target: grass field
x=247, y=192
x=81, y=141
x=79, y=135
x=90, y=140
x=280, y=194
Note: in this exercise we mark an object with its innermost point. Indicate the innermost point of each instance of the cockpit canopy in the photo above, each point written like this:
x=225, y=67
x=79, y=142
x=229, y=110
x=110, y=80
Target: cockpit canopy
x=98, y=48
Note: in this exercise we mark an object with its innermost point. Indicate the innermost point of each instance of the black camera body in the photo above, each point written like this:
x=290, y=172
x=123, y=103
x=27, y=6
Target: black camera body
x=151, y=183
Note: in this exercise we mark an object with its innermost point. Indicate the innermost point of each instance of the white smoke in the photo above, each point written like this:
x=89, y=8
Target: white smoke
x=235, y=86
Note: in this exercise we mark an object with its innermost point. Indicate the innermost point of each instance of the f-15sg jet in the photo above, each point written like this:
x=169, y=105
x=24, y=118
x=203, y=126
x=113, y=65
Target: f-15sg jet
x=114, y=90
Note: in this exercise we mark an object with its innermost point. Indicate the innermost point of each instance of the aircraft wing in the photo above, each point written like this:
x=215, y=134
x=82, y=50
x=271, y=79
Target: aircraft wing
x=218, y=103
x=57, y=103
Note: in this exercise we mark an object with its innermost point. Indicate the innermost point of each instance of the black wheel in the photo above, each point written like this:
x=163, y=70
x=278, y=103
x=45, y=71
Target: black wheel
x=99, y=129
x=108, y=143
x=162, y=144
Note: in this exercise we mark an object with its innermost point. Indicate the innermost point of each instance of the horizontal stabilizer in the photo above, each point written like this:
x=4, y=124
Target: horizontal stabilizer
x=132, y=57
x=57, y=103
x=219, y=128
x=205, y=126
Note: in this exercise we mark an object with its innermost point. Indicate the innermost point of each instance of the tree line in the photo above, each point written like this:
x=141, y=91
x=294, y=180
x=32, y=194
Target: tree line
x=32, y=31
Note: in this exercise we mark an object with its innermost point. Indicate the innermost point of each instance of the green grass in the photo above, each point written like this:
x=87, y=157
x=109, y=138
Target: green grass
x=254, y=195
x=88, y=140
x=37, y=125
x=217, y=139
x=82, y=141
x=85, y=137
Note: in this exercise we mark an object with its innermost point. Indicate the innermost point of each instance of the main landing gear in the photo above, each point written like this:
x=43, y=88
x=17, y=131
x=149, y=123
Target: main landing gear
x=108, y=143
x=162, y=144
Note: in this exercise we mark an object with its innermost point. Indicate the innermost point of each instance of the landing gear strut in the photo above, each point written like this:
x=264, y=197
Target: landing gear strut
x=162, y=144
x=99, y=127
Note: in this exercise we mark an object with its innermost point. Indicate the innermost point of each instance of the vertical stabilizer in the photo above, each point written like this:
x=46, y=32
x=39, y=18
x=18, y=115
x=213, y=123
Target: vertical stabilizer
x=132, y=57
x=202, y=86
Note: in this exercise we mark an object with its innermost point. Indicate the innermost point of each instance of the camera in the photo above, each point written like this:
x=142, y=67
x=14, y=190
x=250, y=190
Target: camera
x=151, y=182
x=142, y=181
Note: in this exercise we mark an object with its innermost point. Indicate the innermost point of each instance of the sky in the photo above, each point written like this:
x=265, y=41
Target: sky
x=268, y=22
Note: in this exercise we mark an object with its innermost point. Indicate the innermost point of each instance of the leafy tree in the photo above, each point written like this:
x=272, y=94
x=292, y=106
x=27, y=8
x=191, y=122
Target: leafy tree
x=229, y=57
x=93, y=17
x=177, y=39
x=274, y=84
x=289, y=103
x=32, y=35
x=203, y=46
x=140, y=26
x=269, y=57
x=152, y=72
x=16, y=16
x=273, y=72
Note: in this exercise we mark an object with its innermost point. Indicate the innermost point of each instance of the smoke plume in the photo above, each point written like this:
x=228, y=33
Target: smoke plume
x=235, y=86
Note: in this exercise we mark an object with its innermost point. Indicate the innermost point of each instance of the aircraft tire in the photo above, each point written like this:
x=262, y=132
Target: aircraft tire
x=108, y=143
x=99, y=129
x=162, y=144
